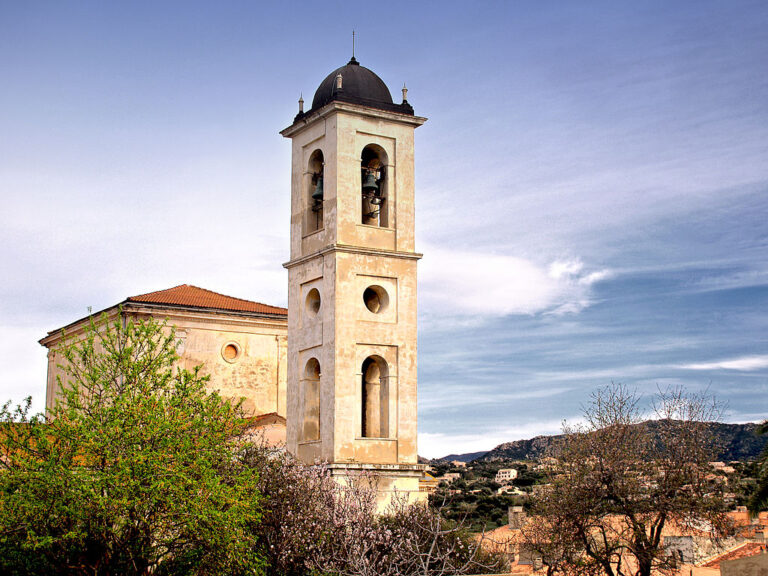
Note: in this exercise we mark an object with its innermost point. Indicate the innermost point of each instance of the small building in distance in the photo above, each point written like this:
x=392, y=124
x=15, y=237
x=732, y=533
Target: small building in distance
x=505, y=475
x=449, y=477
x=428, y=483
x=241, y=344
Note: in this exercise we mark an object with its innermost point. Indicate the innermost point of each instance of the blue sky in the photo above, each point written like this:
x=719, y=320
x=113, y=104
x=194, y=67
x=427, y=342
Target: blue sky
x=592, y=185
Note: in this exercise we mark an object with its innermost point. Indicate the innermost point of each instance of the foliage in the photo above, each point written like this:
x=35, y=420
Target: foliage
x=313, y=524
x=473, y=499
x=758, y=501
x=133, y=471
x=479, y=511
x=617, y=486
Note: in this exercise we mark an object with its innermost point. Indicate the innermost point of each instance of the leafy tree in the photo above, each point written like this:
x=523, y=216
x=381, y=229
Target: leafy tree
x=133, y=472
x=619, y=485
x=758, y=500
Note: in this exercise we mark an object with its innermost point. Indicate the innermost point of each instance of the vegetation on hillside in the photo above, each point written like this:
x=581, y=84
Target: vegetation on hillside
x=734, y=441
x=758, y=499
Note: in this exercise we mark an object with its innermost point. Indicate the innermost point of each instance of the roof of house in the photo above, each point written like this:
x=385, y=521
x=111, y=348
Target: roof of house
x=194, y=297
x=744, y=550
x=268, y=419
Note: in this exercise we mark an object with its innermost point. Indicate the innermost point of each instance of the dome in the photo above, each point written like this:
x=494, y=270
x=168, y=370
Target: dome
x=359, y=85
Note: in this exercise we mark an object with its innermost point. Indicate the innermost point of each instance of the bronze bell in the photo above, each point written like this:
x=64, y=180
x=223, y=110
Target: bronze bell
x=369, y=183
x=317, y=195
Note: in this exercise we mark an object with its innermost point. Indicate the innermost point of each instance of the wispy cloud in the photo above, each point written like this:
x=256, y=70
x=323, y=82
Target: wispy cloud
x=475, y=396
x=436, y=445
x=743, y=364
x=481, y=283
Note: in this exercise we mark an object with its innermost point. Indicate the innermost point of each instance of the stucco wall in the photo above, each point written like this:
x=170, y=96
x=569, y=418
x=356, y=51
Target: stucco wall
x=257, y=373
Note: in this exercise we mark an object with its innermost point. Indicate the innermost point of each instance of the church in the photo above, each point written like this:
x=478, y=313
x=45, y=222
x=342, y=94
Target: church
x=340, y=364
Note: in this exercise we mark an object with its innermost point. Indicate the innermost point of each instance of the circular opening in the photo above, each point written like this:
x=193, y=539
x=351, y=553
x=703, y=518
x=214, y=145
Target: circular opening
x=230, y=352
x=313, y=302
x=376, y=299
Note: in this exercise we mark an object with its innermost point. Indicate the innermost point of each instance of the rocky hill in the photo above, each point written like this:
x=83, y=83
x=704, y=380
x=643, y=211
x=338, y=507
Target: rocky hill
x=468, y=457
x=737, y=442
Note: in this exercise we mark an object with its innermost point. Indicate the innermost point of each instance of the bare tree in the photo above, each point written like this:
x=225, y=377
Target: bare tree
x=621, y=482
x=313, y=524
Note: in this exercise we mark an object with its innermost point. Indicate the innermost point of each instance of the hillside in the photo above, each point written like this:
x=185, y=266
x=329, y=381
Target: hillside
x=738, y=442
x=468, y=457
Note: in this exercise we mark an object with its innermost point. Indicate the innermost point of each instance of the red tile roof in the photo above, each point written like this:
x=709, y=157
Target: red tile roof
x=192, y=296
x=744, y=550
x=266, y=420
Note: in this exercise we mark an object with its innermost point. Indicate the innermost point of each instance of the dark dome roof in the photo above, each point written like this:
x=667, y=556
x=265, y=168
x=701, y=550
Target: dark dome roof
x=358, y=83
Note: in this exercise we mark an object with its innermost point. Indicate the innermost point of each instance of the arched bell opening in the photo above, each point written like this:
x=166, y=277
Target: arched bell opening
x=374, y=186
x=314, y=193
x=375, y=398
x=310, y=384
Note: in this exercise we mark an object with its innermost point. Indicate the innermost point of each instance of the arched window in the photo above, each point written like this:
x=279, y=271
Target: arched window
x=314, y=193
x=311, y=386
x=375, y=398
x=374, y=186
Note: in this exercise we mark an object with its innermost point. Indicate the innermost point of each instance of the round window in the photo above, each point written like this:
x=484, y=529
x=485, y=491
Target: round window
x=312, y=303
x=230, y=351
x=376, y=299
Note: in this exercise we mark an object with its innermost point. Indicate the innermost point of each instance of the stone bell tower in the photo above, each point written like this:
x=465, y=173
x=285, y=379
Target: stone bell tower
x=352, y=282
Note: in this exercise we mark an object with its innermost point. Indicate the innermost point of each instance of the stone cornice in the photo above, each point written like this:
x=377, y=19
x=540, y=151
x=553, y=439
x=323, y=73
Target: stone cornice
x=337, y=106
x=353, y=250
x=174, y=314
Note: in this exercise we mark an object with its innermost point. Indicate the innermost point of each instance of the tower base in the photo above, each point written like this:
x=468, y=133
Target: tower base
x=391, y=480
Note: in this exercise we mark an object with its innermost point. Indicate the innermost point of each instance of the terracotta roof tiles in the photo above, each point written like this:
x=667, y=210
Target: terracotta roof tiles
x=192, y=296
x=744, y=550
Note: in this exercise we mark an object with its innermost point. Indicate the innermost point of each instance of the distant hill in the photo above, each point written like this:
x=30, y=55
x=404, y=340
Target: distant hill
x=468, y=457
x=738, y=442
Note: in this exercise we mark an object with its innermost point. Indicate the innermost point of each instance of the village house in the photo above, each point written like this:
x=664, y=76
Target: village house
x=505, y=475
x=696, y=554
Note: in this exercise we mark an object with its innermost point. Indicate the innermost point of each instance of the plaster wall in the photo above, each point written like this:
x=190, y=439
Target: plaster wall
x=257, y=374
x=340, y=261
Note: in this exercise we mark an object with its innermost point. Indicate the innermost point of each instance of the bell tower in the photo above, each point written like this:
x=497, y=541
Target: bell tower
x=352, y=282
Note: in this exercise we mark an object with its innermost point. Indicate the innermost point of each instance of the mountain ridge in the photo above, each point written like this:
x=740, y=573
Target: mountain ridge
x=738, y=442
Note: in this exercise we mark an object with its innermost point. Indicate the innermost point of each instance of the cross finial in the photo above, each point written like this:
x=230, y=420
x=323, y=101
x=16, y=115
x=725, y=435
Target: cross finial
x=353, y=43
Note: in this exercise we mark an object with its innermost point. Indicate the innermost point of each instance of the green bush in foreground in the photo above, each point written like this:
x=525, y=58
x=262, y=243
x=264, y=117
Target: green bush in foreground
x=133, y=471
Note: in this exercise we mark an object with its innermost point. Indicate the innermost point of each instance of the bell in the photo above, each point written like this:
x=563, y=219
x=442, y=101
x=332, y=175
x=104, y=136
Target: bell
x=377, y=200
x=369, y=184
x=317, y=195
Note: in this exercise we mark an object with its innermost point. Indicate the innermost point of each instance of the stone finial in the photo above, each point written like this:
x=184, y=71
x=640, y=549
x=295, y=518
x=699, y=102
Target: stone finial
x=405, y=93
x=301, y=104
x=338, y=81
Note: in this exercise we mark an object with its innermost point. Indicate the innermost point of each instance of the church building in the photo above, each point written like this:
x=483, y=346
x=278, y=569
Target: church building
x=241, y=344
x=340, y=363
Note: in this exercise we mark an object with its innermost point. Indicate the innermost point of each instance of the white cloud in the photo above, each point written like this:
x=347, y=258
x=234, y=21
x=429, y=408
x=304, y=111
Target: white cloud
x=436, y=444
x=464, y=282
x=743, y=364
